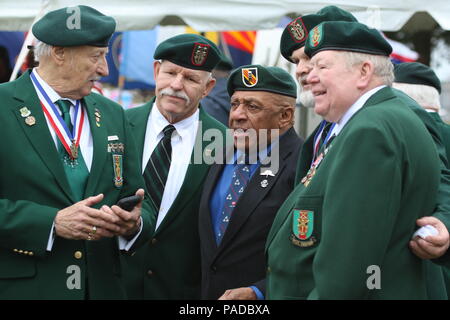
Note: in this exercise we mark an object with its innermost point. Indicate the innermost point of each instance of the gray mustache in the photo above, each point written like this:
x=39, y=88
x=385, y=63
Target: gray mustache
x=178, y=94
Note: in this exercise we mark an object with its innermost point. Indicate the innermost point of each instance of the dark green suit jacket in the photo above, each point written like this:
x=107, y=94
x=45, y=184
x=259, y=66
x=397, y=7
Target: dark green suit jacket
x=442, y=209
x=379, y=175
x=168, y=267
x=33, y=187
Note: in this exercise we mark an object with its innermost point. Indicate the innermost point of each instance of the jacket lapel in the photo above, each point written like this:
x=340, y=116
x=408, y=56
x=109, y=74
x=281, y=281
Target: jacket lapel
x=99, y=137
x=205, y=223
x=39, y=133
x=138, y=122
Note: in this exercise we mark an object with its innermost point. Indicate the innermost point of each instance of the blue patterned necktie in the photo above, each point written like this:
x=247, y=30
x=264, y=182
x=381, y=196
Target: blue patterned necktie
x=240, y=178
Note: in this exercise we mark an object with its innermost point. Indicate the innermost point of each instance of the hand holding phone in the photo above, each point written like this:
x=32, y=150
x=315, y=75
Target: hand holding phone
x=128, y=203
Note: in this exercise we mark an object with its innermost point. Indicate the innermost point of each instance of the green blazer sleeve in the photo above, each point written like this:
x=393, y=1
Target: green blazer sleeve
x=134, y=182
x=25, y=225
x=442, y=210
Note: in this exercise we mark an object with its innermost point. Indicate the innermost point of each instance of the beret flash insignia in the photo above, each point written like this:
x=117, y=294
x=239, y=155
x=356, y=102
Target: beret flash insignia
x=250, y=77
x=199, y=54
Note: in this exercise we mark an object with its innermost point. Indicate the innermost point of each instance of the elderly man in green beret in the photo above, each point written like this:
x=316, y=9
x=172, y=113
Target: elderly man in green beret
x=343, y=232
x=240, y=198
x=169, y=130
x=292, y=48
x=421, y=83
x=67, y=158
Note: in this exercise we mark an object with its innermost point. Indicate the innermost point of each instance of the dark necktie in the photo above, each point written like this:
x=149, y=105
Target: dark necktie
x=325, y=132
x=64, y=106
x=157, y=169
x=75, y=169
x=240, y=178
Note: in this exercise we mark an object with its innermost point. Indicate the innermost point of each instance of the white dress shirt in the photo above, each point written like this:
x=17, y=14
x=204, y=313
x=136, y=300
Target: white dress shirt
x=183, y=140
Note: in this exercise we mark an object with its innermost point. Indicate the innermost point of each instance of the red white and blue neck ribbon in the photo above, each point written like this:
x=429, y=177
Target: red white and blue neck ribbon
x=70, y=140
x=318, y=136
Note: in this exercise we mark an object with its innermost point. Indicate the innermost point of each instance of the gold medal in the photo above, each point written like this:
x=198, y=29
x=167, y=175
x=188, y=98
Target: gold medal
x=74, y=150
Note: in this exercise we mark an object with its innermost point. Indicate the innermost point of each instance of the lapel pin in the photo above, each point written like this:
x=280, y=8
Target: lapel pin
x=24, y=112
x=267, y=173
x=30, y=120
x=98, y=117
x=264, y=183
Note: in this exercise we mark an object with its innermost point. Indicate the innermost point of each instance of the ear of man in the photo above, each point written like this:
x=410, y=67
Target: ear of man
x=366, y=72
x=59, y=55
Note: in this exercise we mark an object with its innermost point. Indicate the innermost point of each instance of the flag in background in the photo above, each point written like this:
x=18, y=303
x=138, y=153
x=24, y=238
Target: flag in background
x=12, y=41
x=239, y=46
x=131, y=52
x=400, y=52
x=137, y=55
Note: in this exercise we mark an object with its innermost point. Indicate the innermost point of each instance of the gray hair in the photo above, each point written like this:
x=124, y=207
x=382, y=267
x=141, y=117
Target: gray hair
x=383, y=67
x=426, y=96
x=42, y=49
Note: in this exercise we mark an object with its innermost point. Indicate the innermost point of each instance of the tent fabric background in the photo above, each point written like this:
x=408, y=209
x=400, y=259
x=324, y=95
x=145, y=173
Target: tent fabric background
x=221, y=15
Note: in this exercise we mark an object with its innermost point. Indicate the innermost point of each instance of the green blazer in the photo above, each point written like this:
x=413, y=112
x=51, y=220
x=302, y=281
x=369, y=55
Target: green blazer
x=442, y=143
x=33, y=187
x=359, y=210
x=168, y=267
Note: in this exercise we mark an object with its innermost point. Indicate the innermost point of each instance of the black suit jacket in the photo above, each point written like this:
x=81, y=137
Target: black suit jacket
x=239, y=260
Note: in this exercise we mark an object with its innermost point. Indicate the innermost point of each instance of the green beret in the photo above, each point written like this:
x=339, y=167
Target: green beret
x=75, y=26
x=225, y=64
x=190, y=51
x=346, y=36
x=416, y=73
x=296, y=32
x=258, y=78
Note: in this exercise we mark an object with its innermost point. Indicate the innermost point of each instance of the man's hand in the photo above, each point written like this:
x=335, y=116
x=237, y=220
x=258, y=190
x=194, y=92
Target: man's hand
x=431, y=247
x=81, y=222
x=129, y=222
x=246, y=293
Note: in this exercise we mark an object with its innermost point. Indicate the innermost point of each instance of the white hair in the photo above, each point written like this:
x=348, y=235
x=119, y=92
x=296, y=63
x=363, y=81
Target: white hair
x=426, y=96
x=42, y=49
x=383, y=67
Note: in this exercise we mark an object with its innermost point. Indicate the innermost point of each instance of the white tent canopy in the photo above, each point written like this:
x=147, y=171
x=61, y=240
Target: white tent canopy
x=219, y=15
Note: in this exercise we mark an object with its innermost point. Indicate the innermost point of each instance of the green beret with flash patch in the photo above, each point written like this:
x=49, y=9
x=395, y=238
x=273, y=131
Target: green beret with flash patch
x=346, y=36
x=259, y=78
x=296, y=32
x=190, y=51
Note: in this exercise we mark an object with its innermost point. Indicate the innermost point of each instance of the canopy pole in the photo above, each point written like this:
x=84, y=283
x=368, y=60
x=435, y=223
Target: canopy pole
x=28, y=41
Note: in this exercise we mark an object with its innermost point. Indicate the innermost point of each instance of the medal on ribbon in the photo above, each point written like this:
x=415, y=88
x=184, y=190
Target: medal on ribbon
x=69, y=140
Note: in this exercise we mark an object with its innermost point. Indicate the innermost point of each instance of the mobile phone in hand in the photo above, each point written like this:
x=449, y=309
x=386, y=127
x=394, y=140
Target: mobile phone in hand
x=128, y=203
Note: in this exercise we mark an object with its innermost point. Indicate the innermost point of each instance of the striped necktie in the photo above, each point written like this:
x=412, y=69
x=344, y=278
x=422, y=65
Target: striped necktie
x=76, y=170
x=157, y=169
